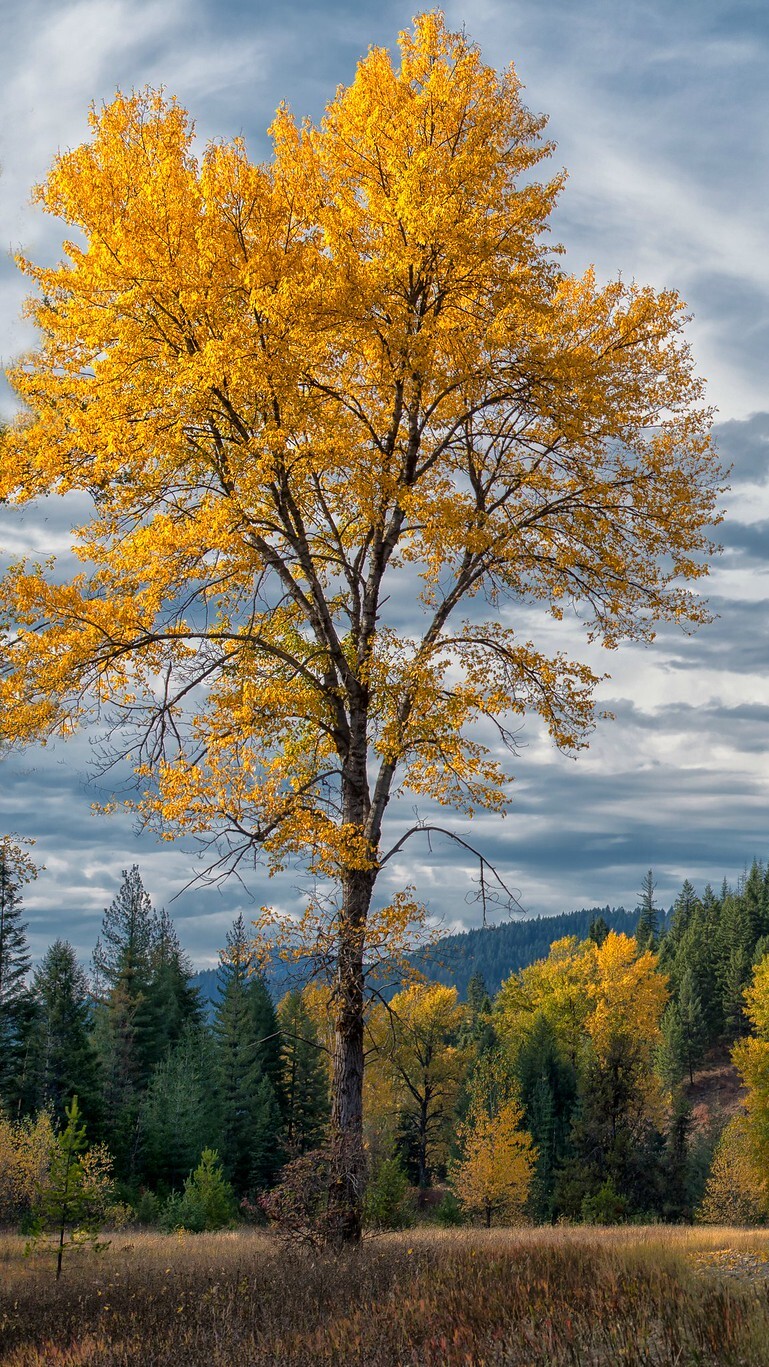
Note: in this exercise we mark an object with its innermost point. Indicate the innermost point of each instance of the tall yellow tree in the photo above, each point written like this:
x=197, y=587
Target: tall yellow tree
x=497, y=1158
x=495, y=1171
x=751, y=1056
x=293, y=391
x=417, y=1065
x=559, y=987
x=587, y=991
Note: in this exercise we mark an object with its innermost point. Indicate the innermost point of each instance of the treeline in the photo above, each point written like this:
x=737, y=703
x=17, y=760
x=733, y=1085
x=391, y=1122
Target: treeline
x=493, y=951
x=156, y=1080
x=564, y=1095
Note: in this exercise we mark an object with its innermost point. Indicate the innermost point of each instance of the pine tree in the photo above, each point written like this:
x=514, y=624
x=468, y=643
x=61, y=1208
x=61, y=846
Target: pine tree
x=305, y=1077
x=697, y=954
x=125, y=1023
x=676, y=1164
x=736, y=975
x=754, y=897
x=693, y=1023
x=63, y=1061
x=75, y=1188
x=647, y=929
x=247, y=1067
x=123, y=951
x=267, y=1155
x=179, y=1115
x=477, y=994
x=16, y=869
x=548, y=1088
x=684, y=1033
x=598, y=930
x=173, y=1004
x=477, y=1027
x=684, y=909
x=671, y=1052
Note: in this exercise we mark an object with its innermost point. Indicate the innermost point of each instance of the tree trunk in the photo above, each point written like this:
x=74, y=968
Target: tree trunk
x=347, y=1177
x=422, y=1152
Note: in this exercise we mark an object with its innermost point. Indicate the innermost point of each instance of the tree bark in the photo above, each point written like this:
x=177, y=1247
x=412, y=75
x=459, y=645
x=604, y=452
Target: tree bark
x=347, y=1179
x=422, y=1151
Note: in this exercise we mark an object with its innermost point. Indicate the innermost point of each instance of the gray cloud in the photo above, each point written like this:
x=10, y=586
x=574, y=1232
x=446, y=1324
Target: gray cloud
x=660, y=115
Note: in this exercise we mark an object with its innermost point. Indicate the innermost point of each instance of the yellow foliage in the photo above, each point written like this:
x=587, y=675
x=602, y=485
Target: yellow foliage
x=587, y=992
x=558, y=987
x=751, y=1057
x=26, y=1149
x=629, y=995
x=415, y=1068
x=281, y=384
x=497, y=1165
x=757, y=999
x=300, y=393
x=736, y=1190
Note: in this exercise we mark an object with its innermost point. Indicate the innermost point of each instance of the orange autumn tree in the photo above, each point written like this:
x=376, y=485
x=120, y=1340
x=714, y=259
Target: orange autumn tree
x=338, y=414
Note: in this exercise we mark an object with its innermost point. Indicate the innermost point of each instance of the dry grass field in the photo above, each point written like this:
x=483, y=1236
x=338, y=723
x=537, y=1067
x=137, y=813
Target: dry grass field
x=506, y=1298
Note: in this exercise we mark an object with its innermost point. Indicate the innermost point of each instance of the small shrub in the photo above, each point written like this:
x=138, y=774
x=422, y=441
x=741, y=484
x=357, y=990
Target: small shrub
x=207, y=1202
x=605, y=1206
x=298, y=1206
x=388, y=1203
x=449, y=1212
x=118, y=1214
x=182, y=1211
x=147, y=1209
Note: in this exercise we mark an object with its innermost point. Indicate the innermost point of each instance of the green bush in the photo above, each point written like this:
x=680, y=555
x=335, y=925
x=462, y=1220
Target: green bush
x=207, y=1202
x=605, y=1207
x=146, y=1208
x=449, y=1213
x=388, y=1203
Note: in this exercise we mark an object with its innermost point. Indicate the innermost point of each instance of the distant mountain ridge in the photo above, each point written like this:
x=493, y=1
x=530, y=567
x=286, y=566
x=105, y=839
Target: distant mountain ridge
x=495, y=951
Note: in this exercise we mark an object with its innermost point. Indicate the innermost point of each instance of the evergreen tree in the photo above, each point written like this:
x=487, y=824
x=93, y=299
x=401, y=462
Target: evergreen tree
x=647, y=928
x=123, y=951
x=613, y=1137
x=671, y=1053
x=305, y=1077
x=173, y=1004
x=693, y=1023
x=548, y=1090
x=754, y=898
x=477, y=995
x=735, y=978
x=179, y=1115
x=74, y=1188
x=477, y=1027
x=684, y=1033
x=598, y=930
x=247, y=1039
x=684, y=909
x=267, y=1154
x=16, y=1011
x=697, y=955
x=125, y=1022
x=63, y=1061
x=676, y=1165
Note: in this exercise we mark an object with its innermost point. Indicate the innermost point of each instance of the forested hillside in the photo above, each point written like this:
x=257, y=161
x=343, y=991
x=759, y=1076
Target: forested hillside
x=493, y=951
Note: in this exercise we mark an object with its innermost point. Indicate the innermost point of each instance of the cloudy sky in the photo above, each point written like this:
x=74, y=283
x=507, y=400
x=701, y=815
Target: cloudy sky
x=661, y=115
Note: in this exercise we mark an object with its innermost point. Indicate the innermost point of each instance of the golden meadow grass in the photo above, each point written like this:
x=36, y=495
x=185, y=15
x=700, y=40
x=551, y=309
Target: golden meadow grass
x=522, y=1298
